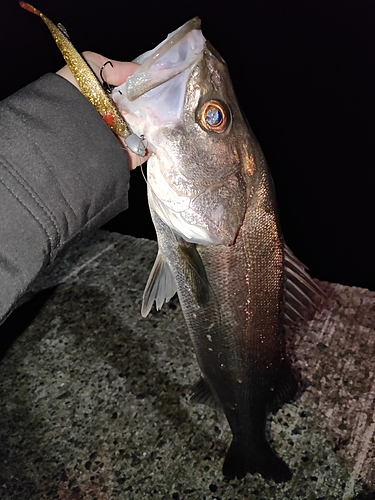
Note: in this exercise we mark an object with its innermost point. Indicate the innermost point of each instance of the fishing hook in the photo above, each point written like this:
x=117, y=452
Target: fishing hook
x=106, y=86
x=136, y=144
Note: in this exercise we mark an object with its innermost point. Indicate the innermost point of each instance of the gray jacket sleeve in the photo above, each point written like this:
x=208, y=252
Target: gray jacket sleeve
x=62, y=173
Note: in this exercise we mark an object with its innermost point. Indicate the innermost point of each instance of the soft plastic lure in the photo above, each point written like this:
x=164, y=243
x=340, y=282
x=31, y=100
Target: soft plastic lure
x=90, y=85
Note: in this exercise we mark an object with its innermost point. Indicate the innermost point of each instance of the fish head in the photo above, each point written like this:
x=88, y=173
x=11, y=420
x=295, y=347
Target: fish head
x=200, y=171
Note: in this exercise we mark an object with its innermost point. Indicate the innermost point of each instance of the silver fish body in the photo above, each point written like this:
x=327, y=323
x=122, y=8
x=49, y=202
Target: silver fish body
x=233, y=303
x=220, y=243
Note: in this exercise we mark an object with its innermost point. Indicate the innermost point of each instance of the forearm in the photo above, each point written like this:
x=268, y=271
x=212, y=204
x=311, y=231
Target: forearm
x=62, y=173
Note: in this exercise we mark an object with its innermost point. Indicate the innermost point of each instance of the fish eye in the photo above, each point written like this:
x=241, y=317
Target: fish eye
x=214, y=116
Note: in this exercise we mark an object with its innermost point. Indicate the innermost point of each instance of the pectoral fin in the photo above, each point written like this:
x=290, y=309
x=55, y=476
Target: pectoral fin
x=160, y=286
x=194, y=272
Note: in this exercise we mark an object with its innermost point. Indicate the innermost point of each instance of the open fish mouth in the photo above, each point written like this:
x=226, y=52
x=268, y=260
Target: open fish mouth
x=168, y=59
x=154, y=95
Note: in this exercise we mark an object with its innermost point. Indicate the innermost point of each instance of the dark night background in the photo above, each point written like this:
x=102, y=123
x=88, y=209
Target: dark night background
x=304, y=73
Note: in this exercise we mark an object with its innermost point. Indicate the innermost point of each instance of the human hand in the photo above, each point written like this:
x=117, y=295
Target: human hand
x=113, y=75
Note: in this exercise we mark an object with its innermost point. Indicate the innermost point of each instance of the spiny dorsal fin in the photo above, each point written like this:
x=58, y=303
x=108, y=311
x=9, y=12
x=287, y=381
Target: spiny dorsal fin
x=302, y=294
x=160, y=286
x=194, y=272
x=202, y=394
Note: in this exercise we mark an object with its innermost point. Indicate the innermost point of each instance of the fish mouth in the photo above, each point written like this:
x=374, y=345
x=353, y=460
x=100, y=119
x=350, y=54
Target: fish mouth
x=168, y=59
x=155, y=93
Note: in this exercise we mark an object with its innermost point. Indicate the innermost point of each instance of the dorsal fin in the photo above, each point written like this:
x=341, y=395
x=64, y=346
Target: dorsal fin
x=160, y=286
x=302, y=294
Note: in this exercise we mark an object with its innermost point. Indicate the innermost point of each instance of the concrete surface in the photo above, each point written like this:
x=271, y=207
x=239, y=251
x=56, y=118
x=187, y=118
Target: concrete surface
x=94, y=397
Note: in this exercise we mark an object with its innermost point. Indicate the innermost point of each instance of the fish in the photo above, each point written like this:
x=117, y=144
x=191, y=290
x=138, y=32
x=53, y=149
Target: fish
x=89, y=84
x=220, y=243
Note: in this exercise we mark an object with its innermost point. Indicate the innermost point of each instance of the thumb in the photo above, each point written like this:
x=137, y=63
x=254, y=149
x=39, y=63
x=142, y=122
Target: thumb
x=115, y=73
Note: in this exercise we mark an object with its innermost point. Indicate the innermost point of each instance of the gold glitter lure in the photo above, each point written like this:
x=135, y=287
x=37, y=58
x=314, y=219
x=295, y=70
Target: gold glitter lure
x=89, y=84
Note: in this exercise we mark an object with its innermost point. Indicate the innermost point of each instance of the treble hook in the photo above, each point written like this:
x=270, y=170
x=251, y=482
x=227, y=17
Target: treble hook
x=106, y=86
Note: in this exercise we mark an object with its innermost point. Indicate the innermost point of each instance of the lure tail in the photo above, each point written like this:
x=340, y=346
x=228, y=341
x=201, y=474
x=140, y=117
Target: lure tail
x=30, y=8
x=60, y=37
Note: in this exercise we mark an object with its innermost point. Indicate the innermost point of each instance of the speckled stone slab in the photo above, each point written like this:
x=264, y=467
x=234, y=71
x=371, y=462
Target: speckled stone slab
x=94, y=398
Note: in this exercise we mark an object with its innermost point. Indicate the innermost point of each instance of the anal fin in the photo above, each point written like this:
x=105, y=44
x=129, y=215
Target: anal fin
x=202, y=394
x=285, y=389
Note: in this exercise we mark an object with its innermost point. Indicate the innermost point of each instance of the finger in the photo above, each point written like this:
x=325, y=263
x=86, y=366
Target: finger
x=114, y=74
